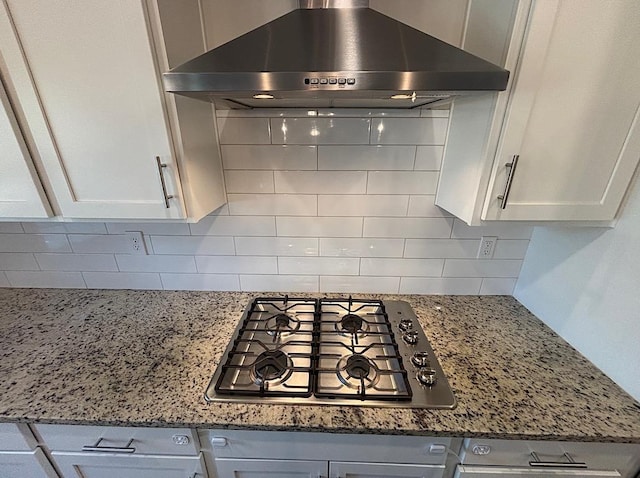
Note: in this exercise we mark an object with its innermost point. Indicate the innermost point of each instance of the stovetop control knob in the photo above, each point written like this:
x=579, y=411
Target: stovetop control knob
x=426, y=376
x=420, y=359
x=410, y=337
x=406, y=324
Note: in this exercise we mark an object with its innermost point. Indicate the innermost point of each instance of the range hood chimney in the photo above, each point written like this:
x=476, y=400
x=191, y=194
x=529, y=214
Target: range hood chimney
x=334, y=53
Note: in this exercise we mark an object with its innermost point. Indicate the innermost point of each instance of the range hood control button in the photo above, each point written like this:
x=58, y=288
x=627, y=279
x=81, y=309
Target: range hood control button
x=426, y=376
x=410, y=337
x=342, y=81
x=351, y=81
x=405, y=324
x=314, y=81
x=323, y=81
x=332, y=81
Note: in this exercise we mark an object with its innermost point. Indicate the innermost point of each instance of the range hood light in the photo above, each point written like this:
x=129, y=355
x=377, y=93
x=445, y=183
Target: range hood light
x=263, y=96
x=404, y=96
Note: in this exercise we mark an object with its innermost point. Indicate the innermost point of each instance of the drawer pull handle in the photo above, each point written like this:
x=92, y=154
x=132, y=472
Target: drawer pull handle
x=110, y=449
x=161, y=166
x=507, y=187
x=570, y=463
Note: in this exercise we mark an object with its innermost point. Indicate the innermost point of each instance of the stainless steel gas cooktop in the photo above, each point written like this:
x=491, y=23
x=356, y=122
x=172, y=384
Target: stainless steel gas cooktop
x=330, y=351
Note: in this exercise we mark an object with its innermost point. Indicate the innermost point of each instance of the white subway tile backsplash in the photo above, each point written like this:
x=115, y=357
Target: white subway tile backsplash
x=17, y=261
x=122, y=280
x=320, y=130
x=356, y=158
x=414, y=131
x=442, y=248
x=402, y=182
x=155, y=263
x=362, y=205
x=46, y=279
x=237, y=264
x=357, y=284
x=276, y=246
x=11, y=228
x=228, y=282
x=192, y=245
x=148, y=228
x=234, y=226
x=240, y=181
x=330, y=200
x=481, y=268
x=440, y=285
x=93, y=243
x=273, y=204
x=269, y=157
x=511, y=249
x=34, y=243
x=318, y=265
x=491, y=286
x=244, y=130
x=401, y=267
x=424, y=206
x=321, y=182
x=76, y=262
x=407, y=227
x=319, y=226
x=502, y=230
x=429, y=158
x=277, y=283
x=64, y=227
x=356, y=247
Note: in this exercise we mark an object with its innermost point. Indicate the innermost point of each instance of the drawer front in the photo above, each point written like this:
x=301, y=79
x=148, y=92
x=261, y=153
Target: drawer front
x=16, y=437
x=119, y=440
x=22, y=464
x=464, y=471
x=519, y=453
x=325, y=446
x=230, y=468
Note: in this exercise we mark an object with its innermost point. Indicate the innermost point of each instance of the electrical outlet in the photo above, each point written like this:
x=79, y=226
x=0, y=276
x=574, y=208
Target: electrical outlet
x=487, y=247
x=136, y=242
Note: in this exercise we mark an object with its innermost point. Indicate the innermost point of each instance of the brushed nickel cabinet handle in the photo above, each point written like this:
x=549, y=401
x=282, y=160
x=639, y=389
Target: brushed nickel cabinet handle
x=110, y=449
x=507, y=188
x=162, y=165
x=570, y=463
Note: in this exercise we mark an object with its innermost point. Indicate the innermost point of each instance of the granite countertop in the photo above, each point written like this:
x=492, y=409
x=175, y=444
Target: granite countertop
x=144, y=358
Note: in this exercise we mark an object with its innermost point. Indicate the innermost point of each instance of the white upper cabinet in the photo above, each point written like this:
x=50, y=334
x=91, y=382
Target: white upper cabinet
x=87, y=77
x=570, y=117
x=21, y=194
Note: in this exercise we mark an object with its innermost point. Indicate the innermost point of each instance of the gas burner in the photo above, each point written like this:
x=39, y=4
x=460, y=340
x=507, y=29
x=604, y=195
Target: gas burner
x=352, y=324
x=271, y=367
x=356, y=371
x=281, y=324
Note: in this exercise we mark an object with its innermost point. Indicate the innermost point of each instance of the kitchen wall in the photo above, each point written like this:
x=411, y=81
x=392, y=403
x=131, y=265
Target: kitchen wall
x=342, y=200
x=584, y=284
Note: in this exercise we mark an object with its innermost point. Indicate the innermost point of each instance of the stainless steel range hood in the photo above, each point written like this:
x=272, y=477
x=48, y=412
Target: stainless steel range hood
x=334, y=53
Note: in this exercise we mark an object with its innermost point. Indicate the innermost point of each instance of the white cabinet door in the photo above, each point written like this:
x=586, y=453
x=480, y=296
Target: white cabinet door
x=21, y=194
x=86, y=78
x=573, y=117
x=21, y=464
x=105, y=465
x=239, y=468
x=380, y=470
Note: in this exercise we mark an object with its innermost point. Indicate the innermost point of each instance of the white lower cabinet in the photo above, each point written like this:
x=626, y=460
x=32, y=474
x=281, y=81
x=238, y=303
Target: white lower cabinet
x=122, y=452
x=253, y=454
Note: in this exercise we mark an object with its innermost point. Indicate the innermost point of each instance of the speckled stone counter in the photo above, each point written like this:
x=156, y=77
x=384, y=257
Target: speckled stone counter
x=144, y=358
